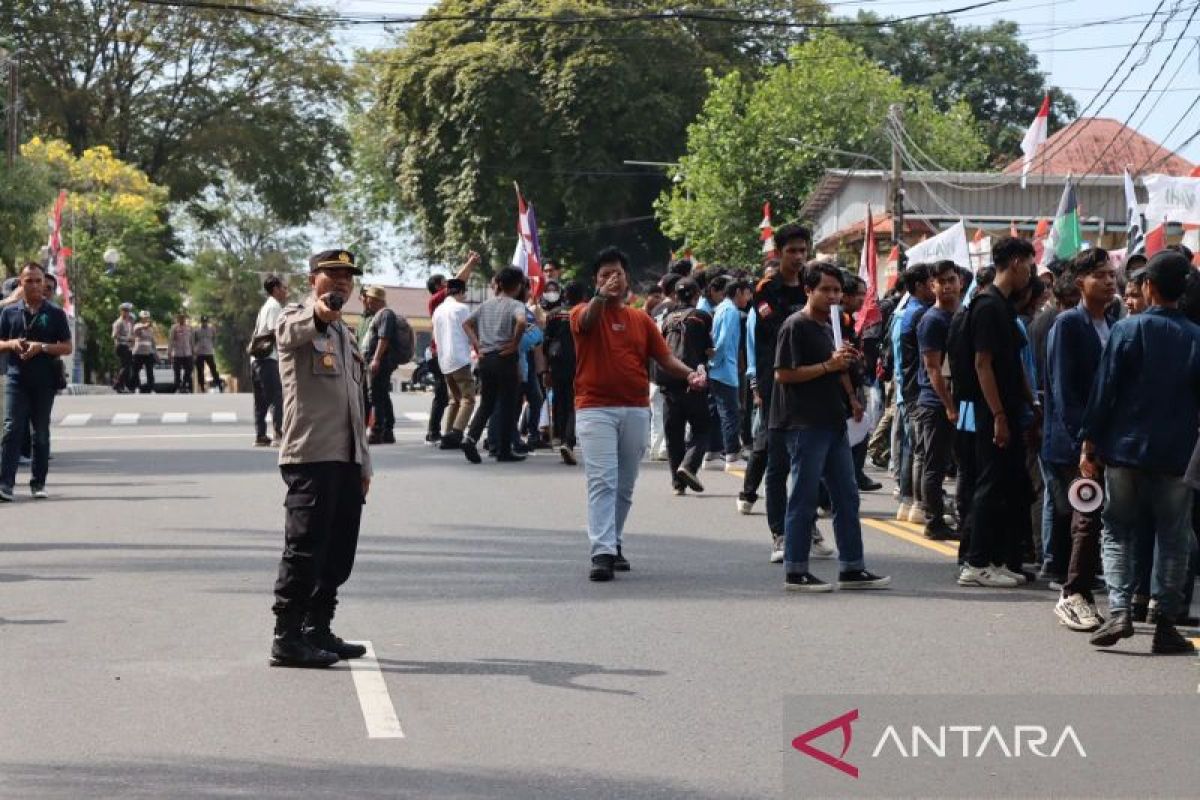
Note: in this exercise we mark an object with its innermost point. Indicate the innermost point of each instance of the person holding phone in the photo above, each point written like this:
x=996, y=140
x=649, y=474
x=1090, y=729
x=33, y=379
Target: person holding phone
x=324, y=461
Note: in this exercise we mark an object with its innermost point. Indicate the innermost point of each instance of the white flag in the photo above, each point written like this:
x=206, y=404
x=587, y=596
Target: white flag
x=1035, y=137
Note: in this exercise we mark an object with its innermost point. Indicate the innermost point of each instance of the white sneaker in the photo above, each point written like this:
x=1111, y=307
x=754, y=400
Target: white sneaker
x=902, y=512
x=1016, y=576
x=819, y=548
x=916, y=513
x=985, y=576
x=39, y=493
x=745, y=506
x=734, y=464
x=777, y=550
x=1076, y=614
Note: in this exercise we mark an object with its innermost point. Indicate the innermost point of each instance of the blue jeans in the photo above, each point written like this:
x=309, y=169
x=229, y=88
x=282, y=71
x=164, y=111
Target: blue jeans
x=904, y=462
x=25, y=405
x=821, y=454
x=1140, y=504
x=723, y=403
x=613, y=441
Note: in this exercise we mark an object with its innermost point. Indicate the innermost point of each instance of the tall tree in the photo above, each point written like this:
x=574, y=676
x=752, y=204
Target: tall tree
x=990, y=69
x=473, y=106
x=741, y=154
x=187, y=94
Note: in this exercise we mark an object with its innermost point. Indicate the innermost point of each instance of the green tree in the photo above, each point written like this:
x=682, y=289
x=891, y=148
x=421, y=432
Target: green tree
x=25, y=192
x=111, y=204
x=473, y=106
x=990, y=69
x=187, y=94
x=739, y=154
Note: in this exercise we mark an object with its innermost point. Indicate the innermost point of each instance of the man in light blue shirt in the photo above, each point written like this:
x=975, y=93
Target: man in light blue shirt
x=729, y=296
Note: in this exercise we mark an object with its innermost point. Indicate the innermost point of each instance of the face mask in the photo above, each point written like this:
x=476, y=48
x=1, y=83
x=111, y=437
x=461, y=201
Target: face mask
x=551, y=297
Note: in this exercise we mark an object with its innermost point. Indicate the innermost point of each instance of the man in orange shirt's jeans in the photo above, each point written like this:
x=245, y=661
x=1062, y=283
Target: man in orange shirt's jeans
x=614, y=344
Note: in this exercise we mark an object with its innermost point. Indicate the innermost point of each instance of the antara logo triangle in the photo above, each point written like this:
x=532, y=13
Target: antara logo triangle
x=803, y=742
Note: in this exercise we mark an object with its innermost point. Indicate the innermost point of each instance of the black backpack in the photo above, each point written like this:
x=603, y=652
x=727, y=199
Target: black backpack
x=402, y=344
x=674, y=330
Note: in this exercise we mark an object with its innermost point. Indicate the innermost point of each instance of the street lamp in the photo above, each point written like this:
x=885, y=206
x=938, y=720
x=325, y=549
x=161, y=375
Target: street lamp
x=111, y=257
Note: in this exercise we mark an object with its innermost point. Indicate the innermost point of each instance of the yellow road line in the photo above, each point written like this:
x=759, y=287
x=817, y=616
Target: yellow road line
x=741, y=473
x=899, y=532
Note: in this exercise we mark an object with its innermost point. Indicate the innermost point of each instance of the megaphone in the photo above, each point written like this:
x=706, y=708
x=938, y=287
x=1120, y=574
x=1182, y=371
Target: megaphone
x=1085, y=495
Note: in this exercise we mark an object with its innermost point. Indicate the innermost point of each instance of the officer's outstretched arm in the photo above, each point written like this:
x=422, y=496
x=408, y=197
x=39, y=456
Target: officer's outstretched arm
x=297, y=327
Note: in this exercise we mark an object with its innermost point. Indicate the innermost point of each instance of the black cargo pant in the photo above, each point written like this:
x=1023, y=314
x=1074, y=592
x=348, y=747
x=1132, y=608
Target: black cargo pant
x=126, y=379
x=563, y=408
x=500, y=384
x=381, y=399
x=935, y=437
x=441, y=397
x=1002, y=496
x=682, y=408
x=323, y=509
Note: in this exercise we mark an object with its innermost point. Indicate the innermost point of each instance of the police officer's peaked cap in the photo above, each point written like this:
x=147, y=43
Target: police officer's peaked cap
x=333, y=259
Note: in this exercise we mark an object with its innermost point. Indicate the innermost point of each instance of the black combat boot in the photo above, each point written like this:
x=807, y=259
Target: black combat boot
x=318, y=635
x=291, y=649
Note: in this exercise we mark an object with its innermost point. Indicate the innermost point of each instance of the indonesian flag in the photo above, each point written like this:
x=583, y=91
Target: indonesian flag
x=58, y=253
x=1156, y=239
x=1035, y=137
x=891, y=271
x=1191, y=240
x=868, y=270
x=768, y=233
x=528, y=257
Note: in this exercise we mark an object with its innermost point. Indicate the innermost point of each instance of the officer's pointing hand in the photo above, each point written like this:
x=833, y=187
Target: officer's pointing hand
x=325, y=313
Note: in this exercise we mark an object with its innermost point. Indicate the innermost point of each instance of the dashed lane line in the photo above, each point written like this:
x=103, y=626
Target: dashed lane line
x=125, y=419
x=75, y=420
x=174, y=418
x=224, y=416
x=378, y=711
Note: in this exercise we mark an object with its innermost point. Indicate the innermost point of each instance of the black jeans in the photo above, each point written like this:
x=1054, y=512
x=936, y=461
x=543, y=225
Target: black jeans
x=268, y=393
x=680, y=409
x=323, y=510
x=441, y=397
x=381, y=399
x=26, y=405
x=936, y=444
x=125, y=377
x=500, y=386
x=563, y=409
x=183, y=373
x=964, y=489
x=1002, y=496
x=144, y=362
x=212, y=368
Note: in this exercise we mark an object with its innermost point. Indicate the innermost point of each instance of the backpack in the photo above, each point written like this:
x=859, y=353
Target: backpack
x=401, y=344
x=674, y=329
x=960, y=352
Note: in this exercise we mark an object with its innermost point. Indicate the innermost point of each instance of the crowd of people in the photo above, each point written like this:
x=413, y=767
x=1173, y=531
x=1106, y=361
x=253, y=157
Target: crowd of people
x=1009, y=383
x=188, y=347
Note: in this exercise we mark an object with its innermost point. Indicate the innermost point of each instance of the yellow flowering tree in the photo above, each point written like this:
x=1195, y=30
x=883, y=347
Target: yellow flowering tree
x=111, y=204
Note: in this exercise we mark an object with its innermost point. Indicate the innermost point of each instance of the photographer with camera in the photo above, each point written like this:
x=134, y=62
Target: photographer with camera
x=324, y=462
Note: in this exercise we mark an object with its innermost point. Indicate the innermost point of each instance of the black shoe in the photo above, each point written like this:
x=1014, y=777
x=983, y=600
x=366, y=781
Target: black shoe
x=1119, y=626
x=688, y=478
x=1170, y=642
x=1187, y=621
x=602, y=568
x=567, y=454
x=521, y=449
x=1139, y=611
x=292, y=650
x=325, y=639
x=451, y=441
x=262, y=441
x=620, y=562
x=470, y=450
x=805, y=582
x=389, y=436
x=374, y=437
x=937, y=530
x=865, y=484
x=510, y=457
x=433, y=437
x=862, y=579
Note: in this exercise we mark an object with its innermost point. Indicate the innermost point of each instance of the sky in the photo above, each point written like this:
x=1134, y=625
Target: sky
x=1055, y=30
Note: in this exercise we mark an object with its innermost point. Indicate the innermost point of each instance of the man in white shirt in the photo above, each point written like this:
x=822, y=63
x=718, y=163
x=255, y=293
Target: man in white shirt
x=268, y=391
x=454, y=358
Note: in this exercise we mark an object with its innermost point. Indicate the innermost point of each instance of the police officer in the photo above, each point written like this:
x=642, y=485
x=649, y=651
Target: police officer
x=324, y=461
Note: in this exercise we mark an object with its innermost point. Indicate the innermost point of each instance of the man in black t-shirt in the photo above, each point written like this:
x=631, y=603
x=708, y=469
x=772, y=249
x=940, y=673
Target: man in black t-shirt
x=34, y=333
x=1002, y=489
x=688, y=332
x=812, y=398
x=775, y=299
x=381, y=334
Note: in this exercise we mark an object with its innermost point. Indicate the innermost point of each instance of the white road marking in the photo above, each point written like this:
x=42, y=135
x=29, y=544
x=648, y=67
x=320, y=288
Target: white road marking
x=224, y=416
x=175, y=418
x=125, y=419
x=414, y=435
x=377, y=709
x=75, y=420
x=417, y=416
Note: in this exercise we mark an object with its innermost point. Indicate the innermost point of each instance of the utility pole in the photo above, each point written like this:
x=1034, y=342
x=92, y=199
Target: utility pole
x=14, y=75
x=896, y=124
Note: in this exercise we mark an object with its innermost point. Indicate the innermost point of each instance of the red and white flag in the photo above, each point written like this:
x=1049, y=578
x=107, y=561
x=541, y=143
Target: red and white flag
x=1012, y=230
x=768, y=233
x=528, y=257
x=868, y=270
x=58, y=253
x=1035, y=137
x=1156, y=239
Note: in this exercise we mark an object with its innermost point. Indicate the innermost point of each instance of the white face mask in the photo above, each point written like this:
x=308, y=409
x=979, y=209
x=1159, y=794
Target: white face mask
x=551, y=297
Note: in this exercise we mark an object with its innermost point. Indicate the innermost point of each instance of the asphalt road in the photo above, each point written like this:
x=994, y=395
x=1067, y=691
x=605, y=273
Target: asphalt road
x=135, y=624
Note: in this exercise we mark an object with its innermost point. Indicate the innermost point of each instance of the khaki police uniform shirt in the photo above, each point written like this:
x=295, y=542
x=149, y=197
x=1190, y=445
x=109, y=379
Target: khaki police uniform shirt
x=322, y=373
x=122, y=332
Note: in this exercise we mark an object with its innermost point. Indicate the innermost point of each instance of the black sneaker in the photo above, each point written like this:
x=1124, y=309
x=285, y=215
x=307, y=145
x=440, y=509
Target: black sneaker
x=1170, y=642
x=451, y=441
x=262, y=441
x=1139, y=611
x=602, y=568
x=866, y=484
x=327, y=640
x=389, y=436
x=432, y=438
x=805, y=582
x=689, y=479
x=862, y=579
x=510, y=457
x=292, y=650
x=937, y=530
x=620, y=562
x=470, y=450
x=1119, y=626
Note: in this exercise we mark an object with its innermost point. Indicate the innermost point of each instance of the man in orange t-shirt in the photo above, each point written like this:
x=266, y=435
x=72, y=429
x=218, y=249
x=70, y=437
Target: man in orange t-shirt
x=614, y=345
